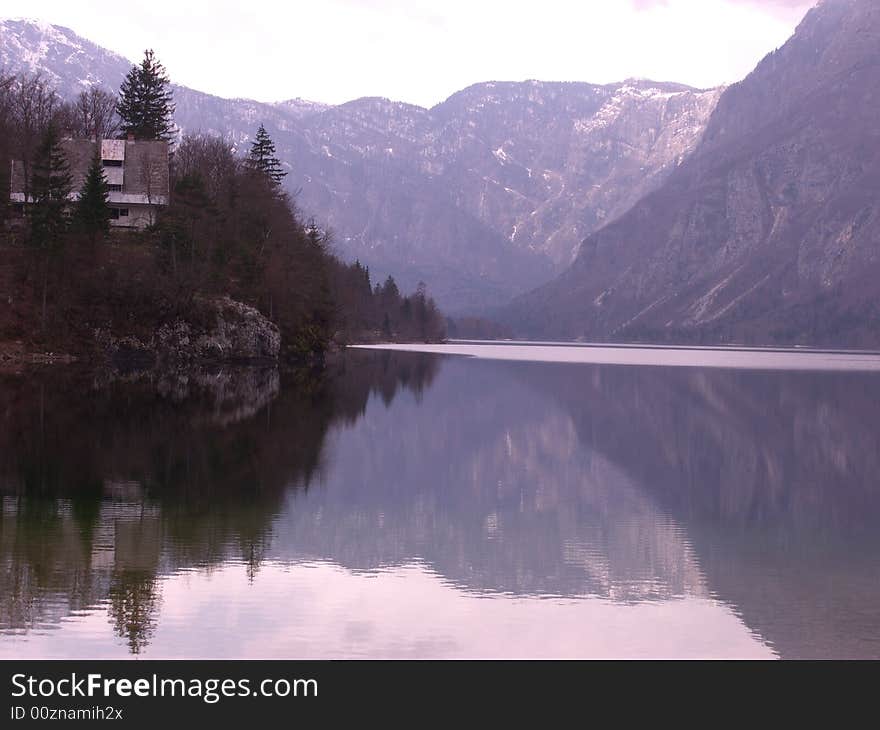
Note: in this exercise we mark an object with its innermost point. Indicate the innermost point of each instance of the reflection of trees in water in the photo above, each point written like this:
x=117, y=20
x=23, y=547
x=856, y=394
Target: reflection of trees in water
x=43, y=555
x=629, y=483
x=134, y=605
x=109, y=482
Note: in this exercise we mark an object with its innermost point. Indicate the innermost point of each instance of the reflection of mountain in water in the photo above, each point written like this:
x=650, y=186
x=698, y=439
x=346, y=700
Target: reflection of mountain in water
x=491, y=487
x=641, y=483
x=631, y=484
x=774, y=476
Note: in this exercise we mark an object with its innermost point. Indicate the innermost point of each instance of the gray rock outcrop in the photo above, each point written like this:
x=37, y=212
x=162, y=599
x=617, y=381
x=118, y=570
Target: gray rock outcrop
x=234, y=332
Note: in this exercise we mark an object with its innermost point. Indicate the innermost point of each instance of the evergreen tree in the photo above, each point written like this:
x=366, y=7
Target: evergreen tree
x=390, y=292
x=50, y=186
x=420, y=304
x=92, y=214
x=314, y=235
x=262, y=157
x=145, y=103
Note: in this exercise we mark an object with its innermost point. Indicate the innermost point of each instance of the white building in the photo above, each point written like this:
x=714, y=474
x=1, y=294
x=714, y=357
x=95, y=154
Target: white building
x=136, y=172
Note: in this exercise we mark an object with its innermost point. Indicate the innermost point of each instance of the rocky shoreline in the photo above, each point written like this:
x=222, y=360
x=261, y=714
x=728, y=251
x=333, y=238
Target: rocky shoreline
x=228, y=333
x=231, y=332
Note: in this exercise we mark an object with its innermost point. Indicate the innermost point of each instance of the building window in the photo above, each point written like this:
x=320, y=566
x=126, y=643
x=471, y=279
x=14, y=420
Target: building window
x=115, y=188
x=117, y=213
x=111, y=163
x=123, y=212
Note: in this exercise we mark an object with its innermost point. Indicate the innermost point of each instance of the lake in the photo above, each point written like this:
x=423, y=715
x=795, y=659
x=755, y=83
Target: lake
x=504, y=500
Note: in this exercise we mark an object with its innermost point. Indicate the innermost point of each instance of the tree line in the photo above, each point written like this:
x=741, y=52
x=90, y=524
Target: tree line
x=230, y=227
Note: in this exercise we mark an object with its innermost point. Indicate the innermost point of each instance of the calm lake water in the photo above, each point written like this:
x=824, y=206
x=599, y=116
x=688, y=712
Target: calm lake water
x=530, y=502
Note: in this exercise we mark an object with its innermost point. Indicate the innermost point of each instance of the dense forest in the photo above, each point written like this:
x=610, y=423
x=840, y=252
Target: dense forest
x=229, y=230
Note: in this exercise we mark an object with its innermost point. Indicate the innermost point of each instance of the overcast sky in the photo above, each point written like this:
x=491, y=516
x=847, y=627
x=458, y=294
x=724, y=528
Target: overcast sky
x=421, y=51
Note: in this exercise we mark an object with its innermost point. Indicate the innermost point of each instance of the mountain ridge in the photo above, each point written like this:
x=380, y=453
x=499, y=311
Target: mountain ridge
x=769, y=232
x=483, y=196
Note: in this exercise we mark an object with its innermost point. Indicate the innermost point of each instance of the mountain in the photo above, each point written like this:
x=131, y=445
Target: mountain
x=70, y=63
x=484, y=196
x=769, y=232
x=501, y=181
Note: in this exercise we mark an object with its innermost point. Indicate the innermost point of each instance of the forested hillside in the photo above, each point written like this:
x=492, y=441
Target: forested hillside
x=230, y=233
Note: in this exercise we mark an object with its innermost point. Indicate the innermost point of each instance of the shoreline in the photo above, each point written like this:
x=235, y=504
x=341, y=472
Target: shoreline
x=792, y=360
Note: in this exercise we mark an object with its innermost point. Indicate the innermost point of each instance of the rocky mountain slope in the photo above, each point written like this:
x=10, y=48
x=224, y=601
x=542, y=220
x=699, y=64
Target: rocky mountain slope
x=769, y=232
x=484, y=196
x=491, y=191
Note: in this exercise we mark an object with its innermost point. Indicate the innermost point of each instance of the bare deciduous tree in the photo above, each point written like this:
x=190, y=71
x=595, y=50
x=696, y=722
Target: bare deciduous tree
x=7, y=86
x=211, y=159
x=96, y=114
x=151, y=175
x=34, y=106
x=7, y=82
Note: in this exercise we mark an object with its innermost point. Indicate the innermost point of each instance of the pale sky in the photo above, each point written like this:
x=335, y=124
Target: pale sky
x=421, y=51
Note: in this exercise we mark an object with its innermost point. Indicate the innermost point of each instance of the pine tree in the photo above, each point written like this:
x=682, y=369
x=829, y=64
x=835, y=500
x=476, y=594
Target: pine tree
x=314, y=235
x=50, y=186
x=262, y=157
x=390, y=291
x=145, y=103
x=92, y=214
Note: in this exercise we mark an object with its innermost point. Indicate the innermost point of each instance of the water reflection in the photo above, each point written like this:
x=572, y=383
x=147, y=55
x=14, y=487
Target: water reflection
x=407, y=505
x=110, y=481
x=774, y=476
